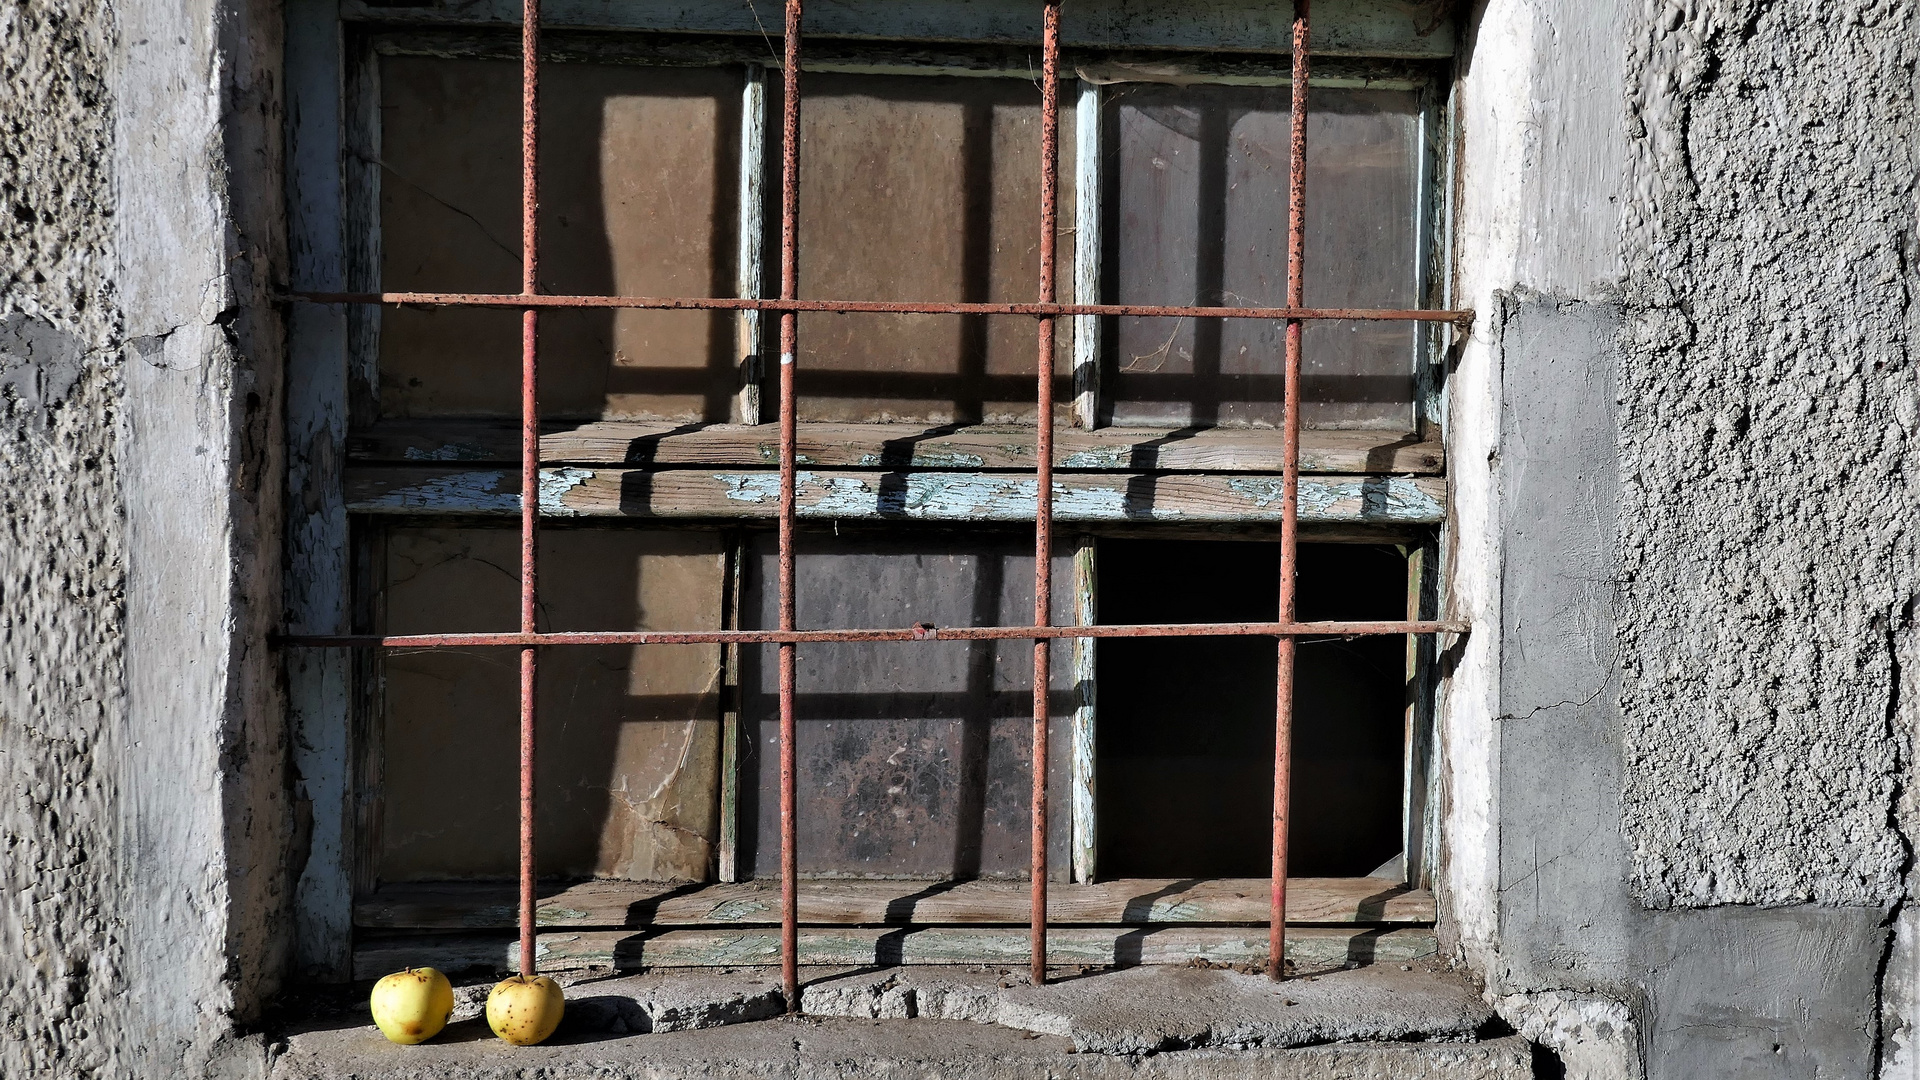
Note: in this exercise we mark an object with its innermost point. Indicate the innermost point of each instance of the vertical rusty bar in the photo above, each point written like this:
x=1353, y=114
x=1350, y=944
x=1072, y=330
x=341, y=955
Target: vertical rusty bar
x=529, y=445
x=789, y=330
x=1289, y=493
x=1043, y=471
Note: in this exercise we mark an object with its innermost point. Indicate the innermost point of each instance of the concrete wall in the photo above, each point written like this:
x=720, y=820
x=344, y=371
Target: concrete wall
x=1684, y=464
x=145, y=817
x=63, y=549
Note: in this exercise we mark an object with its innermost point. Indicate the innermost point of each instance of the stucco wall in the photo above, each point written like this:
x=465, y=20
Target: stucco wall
x=62, y=551
x=144, y=815
x=1769, y=455
x=1684, y=463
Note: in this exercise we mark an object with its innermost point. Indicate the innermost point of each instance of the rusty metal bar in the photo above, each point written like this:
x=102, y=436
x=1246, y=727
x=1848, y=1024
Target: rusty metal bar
x=923, y=632
x=1043, y=473
x=886, y=307
x=529, y=449
x=789, y=332
x=1289, y=494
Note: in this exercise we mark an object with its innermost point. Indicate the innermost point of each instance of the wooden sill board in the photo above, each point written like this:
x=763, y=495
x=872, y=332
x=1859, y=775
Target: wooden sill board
x=897, y=446
x=1133, y=902
x=696, y=494
x=1310, y=948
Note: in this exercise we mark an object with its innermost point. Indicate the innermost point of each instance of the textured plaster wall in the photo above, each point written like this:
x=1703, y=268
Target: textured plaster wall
x=62, y=546
x=1684, y=457
x=142, y=822
x=1770, y=449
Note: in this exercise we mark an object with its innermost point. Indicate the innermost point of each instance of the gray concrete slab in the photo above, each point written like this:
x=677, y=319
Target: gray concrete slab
x=675, y=1001
x=1155, y=1009
x=1763, y=992
x=1145, y=1010
x=1118, y=1014
x=814, y=1049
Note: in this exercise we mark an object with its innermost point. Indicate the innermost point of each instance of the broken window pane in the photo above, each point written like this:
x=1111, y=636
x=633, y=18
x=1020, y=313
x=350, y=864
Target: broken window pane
x=1185, y=743
x=1197, y=215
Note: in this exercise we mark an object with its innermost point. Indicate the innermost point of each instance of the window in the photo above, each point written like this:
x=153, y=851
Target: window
x=916, y=440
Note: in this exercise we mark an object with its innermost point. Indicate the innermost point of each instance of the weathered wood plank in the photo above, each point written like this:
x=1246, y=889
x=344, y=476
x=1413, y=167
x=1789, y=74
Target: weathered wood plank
x=1081, y=794
x=1308, y=949
x=917, y=496
x=316, y=573
x=898, y=446
x=733, y=725
x=361, y=170
x=1398, y=28
x=750, y=278
x=1088, y=155
x=1135, y=902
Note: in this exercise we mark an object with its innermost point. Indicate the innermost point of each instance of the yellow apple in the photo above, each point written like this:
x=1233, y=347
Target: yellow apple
x=412, y=1006
x=525, y=1010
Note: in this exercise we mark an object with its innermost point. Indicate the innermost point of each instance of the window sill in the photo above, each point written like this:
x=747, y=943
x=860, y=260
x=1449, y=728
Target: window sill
x=1137, y=1025
x=629, y=925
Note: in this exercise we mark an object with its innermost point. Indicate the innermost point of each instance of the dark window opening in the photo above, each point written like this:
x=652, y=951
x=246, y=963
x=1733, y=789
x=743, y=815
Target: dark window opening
x=1185, y=745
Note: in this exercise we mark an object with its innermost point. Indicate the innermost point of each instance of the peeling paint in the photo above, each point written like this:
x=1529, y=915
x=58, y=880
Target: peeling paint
x=1387, y=498
x=1101, y=458
x=770, y=453
x=740, y=911
x=919, y=459
x=928, y=496
x=554, y=485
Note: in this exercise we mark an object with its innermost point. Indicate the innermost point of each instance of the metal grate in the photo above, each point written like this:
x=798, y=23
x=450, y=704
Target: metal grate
x=529, y=640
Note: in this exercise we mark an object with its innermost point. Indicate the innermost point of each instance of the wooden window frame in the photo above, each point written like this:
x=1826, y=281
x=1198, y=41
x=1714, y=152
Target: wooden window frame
x=332, y=74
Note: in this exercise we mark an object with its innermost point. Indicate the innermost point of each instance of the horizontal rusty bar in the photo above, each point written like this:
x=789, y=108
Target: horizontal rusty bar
x=883, y=307
x=922, y=632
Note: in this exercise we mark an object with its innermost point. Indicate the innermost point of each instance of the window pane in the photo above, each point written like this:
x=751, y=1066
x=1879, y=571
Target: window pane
x=628, y=736
x=1198, y=215
x=914, y=757
x=639, y=195
x=1185, y=741
x=924, y=188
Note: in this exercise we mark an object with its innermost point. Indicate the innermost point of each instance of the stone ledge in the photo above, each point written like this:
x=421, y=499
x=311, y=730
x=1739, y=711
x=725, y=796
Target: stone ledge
x=908, y=1022
x=815, y=1049
x=1149, y=1010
